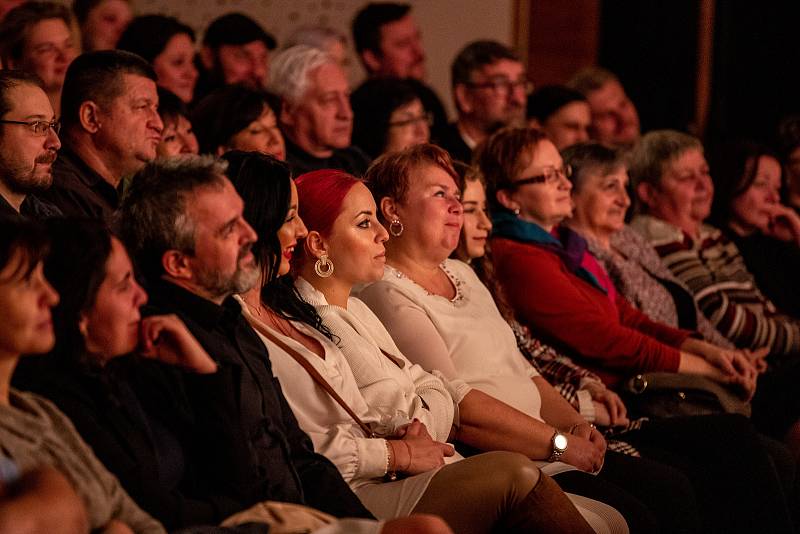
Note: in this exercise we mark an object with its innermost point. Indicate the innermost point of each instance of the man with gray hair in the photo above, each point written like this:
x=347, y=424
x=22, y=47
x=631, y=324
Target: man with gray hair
x=315, y=111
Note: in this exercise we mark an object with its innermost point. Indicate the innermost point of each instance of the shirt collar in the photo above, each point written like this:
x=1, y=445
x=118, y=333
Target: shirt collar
x=205, y=312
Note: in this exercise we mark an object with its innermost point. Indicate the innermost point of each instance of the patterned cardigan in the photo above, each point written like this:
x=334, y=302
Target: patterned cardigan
x=714, y=271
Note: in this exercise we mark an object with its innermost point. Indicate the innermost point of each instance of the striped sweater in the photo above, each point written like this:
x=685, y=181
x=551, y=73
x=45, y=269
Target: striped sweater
x=714, y=270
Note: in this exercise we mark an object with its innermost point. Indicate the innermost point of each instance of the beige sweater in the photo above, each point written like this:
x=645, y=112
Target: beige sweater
x=34, y=432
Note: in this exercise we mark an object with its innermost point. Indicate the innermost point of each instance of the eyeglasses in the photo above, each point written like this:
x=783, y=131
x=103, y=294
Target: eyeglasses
x=503, y=86
x=550, y=175
x=37, y=127
x=427, y=118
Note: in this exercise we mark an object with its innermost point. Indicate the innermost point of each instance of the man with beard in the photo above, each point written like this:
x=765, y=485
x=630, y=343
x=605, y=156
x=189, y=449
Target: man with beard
x=489, y=90
x=182, y=222
x=28, y=144
x=109, y=108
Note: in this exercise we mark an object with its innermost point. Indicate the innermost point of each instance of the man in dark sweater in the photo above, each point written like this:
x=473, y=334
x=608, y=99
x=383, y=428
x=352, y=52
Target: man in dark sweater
x=182, y=222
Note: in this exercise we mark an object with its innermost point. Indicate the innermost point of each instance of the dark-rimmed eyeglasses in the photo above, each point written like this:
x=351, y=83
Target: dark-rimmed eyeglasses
x=550, y=175
x=503, y=86
x=427, y=118
x=37, y=127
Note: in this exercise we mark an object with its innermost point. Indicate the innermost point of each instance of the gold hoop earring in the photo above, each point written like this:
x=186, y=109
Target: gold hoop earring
x=323, y=267
x=393, y=231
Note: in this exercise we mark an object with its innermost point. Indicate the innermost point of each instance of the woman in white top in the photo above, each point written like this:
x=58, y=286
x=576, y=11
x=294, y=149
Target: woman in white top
x=498, y=491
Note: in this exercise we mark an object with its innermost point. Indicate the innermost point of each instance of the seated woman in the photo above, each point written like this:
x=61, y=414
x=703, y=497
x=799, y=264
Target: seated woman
x=33, y=432
x=747, y=208
x=498, y=490
x=177, y=136
x=168, y=45
x=238, y=118
x=388, y=116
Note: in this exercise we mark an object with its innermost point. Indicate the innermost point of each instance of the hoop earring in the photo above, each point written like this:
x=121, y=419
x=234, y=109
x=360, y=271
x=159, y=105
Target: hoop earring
x=516, y=212
x=393, y=231
x=323, y=267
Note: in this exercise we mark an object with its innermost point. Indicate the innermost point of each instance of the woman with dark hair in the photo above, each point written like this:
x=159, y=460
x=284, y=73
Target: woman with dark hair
x=747, y=207
x=238, y=118
x=101, y=22
x=177, y=136
x=32, y=430
x=388, y=116
x=168, y=45
x=501, y=491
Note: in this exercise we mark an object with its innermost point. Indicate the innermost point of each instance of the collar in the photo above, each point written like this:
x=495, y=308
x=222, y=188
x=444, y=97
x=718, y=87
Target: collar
x=301, y=154
x=6, y=209
x=170, y=296
x=85, y=173
x=469, y=141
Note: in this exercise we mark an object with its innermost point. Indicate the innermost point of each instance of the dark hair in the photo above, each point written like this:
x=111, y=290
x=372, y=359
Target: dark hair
x=476, y=55
x=373, y=104
x=369, y=22
x=14, y=78
x=548, y=99
x=76, y=267
x=17, y=22
x=265, y=185
x=152, y=218
x=81, y=8
x=236, y=29
x=98, y=76
x=587, y=157
x=735, y=166
x=788, y=138
x=148, y=35
x=389, y=175
x=503, y=156
x=224, y=113
x=18, y=234
x=170, y=106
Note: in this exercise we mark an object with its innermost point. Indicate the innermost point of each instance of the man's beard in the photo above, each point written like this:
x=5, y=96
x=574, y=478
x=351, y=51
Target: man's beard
x=218, y=285
x=25, y=181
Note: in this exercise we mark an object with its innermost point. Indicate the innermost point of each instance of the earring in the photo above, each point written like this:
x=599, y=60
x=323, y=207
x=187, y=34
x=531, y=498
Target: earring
x=323, y=267
x=393, y=231
x=516, y=211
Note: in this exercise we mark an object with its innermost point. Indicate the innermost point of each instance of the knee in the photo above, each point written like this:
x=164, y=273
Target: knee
x=511, y=472
x=417, y=524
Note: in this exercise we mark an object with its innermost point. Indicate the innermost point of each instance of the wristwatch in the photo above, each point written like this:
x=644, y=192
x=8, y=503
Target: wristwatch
x=559, y=442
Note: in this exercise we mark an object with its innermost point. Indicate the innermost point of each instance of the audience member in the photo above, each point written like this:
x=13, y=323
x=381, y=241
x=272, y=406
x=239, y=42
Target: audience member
x=28, y=145
x=238, y=118
x=288, y=326
x=8, y=5
x=38, y=37
x=177, y=136
x=101, y=22
x=615, y=121
x=315, y=112
x=788, y=142
x=389, y=44
x=235, y=50
x=328, y=39
x=747, y=207
x=111, y=129
x=561, y=113
x=33, y=432
x=388, y=116
x=168, y=45
x=182, y=221
x=39, y=500
x=489, y=90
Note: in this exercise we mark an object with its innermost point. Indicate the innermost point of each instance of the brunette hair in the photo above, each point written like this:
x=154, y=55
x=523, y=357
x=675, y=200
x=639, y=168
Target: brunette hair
x=265, y=185
x=503, y=156
x=149, y=35
x=390, y=174
x=18, y=234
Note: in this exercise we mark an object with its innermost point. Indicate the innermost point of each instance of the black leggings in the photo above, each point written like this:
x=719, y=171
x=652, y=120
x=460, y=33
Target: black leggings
x=733, y=477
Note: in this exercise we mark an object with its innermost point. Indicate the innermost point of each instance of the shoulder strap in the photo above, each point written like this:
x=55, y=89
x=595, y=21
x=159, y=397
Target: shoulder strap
x=318, y=378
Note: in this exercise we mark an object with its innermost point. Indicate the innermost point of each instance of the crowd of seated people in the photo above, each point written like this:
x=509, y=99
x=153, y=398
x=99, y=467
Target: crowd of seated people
x=239, y=297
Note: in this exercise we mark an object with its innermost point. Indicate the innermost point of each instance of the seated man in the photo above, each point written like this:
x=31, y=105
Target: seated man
x=615, y=121
x=111, y=129
x=235, y=50
x=28, y=145
x=315, y=116
x=37, y=37
x=561, y=113
x=389, y=45
x=489, y=89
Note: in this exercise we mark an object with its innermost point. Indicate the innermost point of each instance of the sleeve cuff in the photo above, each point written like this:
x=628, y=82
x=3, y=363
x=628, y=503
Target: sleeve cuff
x=372, y=457
x=585, y=405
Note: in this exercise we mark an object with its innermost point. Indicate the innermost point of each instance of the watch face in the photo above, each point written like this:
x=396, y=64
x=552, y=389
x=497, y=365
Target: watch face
x=560, y=442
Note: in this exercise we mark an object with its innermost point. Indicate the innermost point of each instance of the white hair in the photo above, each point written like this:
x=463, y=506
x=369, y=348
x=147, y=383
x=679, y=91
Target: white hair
x=289, y=70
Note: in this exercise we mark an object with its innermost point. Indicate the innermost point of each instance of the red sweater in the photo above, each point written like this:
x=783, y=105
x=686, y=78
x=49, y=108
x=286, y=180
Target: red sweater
x=611, y=338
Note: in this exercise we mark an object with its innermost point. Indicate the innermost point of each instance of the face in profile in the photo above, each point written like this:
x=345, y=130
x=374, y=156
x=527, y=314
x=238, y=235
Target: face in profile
x=105, y=23
x=26, y=299
x=177, y=138
x=356, y=241
x=567, y=126
x=409, y=125
x=602, y=200
x=477, y=224
x=402, y=55
x=291, y=231
x=110, y=326
x=261, y=135
x=245, y=64
x=175, y=68
x=754, y=209
x=615, y=121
